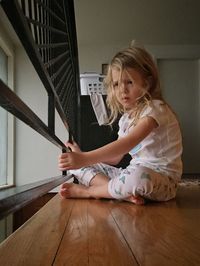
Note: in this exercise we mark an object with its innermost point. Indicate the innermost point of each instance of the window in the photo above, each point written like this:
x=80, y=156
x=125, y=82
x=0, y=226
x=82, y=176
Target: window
x=3, y=122
x=6, y=119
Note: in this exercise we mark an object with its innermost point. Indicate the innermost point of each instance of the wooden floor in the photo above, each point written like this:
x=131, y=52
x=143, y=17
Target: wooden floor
x=104, y=232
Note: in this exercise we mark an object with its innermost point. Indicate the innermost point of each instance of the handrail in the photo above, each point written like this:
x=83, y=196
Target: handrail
x=42, y=26
x=15, y=198
x=13, y=104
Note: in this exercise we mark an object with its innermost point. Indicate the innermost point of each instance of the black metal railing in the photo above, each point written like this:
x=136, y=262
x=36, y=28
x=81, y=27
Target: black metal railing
x=48, y=33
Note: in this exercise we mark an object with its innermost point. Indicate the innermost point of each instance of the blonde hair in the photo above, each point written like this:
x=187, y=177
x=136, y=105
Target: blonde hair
x=139, y=59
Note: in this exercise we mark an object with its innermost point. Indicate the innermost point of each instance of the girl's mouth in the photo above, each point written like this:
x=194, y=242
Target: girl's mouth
x=125, y=99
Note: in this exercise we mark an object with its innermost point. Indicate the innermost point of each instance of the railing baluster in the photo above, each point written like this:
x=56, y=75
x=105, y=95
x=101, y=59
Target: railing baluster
x=51, y=113
x=47, y=32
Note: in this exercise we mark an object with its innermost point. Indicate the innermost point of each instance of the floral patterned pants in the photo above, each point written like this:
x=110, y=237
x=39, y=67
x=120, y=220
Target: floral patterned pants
x=135, y=180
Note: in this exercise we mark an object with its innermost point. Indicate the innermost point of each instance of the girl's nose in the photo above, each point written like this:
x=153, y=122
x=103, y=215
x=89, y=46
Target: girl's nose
x=123, y=87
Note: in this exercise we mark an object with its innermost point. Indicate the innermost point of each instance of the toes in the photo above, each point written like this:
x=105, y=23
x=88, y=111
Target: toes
x=64, y=192
x=136, y=200
x=64, y=185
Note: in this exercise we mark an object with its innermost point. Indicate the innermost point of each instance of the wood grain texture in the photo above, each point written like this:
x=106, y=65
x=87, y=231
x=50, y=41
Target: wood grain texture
x=163, y=233
x=109, y=232
x=93, y=238
x=37, y=241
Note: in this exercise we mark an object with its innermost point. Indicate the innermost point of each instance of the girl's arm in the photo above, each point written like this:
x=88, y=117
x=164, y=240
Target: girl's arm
x=114, y=160
x=117, y=148
x=75, y=148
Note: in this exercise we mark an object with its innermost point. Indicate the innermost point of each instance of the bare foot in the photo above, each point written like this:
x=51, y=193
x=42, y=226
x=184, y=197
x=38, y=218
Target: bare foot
x=70, y=190
x=138, y=200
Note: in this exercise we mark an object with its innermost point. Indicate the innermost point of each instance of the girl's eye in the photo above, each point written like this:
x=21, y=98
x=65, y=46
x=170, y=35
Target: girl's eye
x=115, y=85
x=129, y=82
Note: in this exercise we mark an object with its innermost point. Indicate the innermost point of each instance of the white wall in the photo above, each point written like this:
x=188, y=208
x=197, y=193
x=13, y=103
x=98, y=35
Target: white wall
x=105, y=26
x=36, y=158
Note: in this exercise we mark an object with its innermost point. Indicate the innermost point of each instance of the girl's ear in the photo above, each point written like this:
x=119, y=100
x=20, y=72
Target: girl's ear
x=148, y=83
x=147, y=86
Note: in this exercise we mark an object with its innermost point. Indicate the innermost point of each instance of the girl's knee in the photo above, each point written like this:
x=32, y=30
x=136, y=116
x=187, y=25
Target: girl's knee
x=154, y=186
x=137, y=182
x=143, y=184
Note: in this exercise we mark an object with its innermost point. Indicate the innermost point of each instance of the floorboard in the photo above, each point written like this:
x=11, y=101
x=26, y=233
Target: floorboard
x=109, y=232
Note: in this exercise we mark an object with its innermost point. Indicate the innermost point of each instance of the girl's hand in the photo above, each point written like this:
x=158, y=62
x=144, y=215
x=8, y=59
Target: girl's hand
x=72, y=160
x=73, y=146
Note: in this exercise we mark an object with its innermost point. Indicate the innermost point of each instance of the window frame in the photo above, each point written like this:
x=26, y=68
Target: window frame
x=8, y=49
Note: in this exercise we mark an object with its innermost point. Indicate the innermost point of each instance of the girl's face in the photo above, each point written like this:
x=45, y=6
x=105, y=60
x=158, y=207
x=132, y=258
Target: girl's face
x=128, y=86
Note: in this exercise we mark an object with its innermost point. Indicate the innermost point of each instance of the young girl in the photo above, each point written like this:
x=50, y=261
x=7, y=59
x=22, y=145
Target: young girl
x=148, y=131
